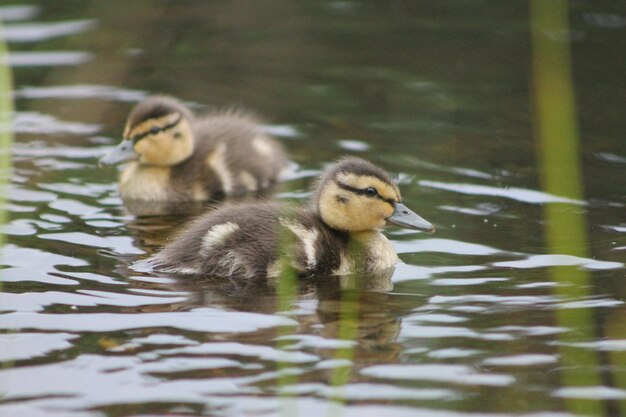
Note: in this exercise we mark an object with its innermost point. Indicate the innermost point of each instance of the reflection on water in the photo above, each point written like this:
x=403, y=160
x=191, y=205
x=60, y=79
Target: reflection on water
x=487, y=317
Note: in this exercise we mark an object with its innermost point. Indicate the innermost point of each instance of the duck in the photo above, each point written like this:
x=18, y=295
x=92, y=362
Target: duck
x=337, y=232
x=175, y=156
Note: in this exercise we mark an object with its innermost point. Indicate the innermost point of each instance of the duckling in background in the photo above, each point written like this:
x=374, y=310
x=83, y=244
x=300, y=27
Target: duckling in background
x=177, y=157
x=336, y=234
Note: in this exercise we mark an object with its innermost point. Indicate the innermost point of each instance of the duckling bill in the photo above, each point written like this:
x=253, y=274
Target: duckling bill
x=178, y=157
x=337, y=233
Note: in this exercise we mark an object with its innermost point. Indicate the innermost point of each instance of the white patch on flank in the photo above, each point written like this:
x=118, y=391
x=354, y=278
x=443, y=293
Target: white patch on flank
x=263, y=146
x=217, y=161
x=274, y=269
x=344, y=265
x=199, y=193
x=182, y=270
x=308, y=237
x=230, y=264
x=217, y=235
x=248, y=181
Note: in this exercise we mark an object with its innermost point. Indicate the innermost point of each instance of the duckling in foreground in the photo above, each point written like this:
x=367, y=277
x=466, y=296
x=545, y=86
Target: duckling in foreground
x=178, y=157
x=336, y=234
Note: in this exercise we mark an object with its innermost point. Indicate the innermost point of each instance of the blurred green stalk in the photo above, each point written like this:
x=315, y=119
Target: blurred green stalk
x=347, y=330
x=558, y=152
x=6, y=138
x=286, y=291
x=6, y=129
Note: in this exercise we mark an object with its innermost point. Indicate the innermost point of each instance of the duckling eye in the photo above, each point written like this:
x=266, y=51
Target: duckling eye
x=155, y=130
x=371, y=192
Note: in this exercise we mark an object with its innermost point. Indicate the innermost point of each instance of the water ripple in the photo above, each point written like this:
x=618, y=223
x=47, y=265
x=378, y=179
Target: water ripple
x=353, y=145
x=19, y=227
x=371, y=392
x=82, y=91
x=605, y=20
x=171, y=365
x=522, y=360
x=263, y=353
x=83, y=189
x=45, y=124
x=466, y=172
x=39, y=32
x=282, y=131
x=519, y=194
x=37, y=301
x=163, y=339
x=90, y=276
x=466, y=281
x=120, y=244
x=590, y=303
x=315, y=342
x=74, y=208
x=208, y=320
x=35, y=265
x=531, y=330
x=513, y=300
x=20, y=346
x=17, y=12
x=603, y=345
x=412, y=331
x=540, y=261
x=406, y=272
x=46, y=59
x=591, y=393
x=65, y=385
x=40, y=149
x=451, y=353
x=446, y=246
x=434, y=318
x=456, y=374
x=33, y=196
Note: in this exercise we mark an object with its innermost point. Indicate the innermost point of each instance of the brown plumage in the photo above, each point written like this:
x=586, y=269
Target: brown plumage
x=335, y=234
x=177, y=157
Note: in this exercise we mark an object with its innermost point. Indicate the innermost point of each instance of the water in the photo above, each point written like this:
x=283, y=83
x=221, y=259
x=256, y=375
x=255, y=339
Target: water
x=486, y=317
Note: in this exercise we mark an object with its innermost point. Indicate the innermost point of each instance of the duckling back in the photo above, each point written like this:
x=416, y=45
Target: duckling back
x=177, y=157
x=251, y=241
x=337, y=233
x=234, y=156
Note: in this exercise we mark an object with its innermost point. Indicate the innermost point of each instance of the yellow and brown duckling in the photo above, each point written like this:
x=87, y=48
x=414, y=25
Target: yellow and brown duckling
x=336, y=234
x=177, y=157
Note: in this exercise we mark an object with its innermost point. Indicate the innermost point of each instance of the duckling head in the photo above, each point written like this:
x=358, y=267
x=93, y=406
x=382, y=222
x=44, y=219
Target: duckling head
x=356, y=196
x=158, y=133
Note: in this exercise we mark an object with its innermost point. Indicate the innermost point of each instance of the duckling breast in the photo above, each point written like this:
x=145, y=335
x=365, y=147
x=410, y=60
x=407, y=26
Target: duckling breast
x=378, y=253
x=139, y=182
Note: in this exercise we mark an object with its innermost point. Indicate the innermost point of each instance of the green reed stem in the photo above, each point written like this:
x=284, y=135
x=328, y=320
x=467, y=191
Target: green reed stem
x=6, y=129
x=348, y=327
x=559, y=158
x=6, y=138
x=286, y=290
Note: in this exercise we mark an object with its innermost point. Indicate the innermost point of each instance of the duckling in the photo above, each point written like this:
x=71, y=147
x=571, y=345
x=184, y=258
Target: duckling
x=337, y=233
x=177, y=157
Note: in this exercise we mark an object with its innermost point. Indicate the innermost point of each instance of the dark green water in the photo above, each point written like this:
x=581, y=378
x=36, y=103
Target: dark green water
x=487, y=317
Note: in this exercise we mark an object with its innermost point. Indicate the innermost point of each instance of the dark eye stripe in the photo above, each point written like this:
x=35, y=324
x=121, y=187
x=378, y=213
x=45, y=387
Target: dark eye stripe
x=154, y=130
x=360, y=191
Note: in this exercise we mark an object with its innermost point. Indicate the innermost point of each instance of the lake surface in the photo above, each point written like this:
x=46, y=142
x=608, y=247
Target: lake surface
x=515, y=307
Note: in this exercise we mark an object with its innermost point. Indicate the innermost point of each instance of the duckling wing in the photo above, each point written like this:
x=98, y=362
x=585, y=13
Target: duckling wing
x=237, y=154
x=234, y=242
